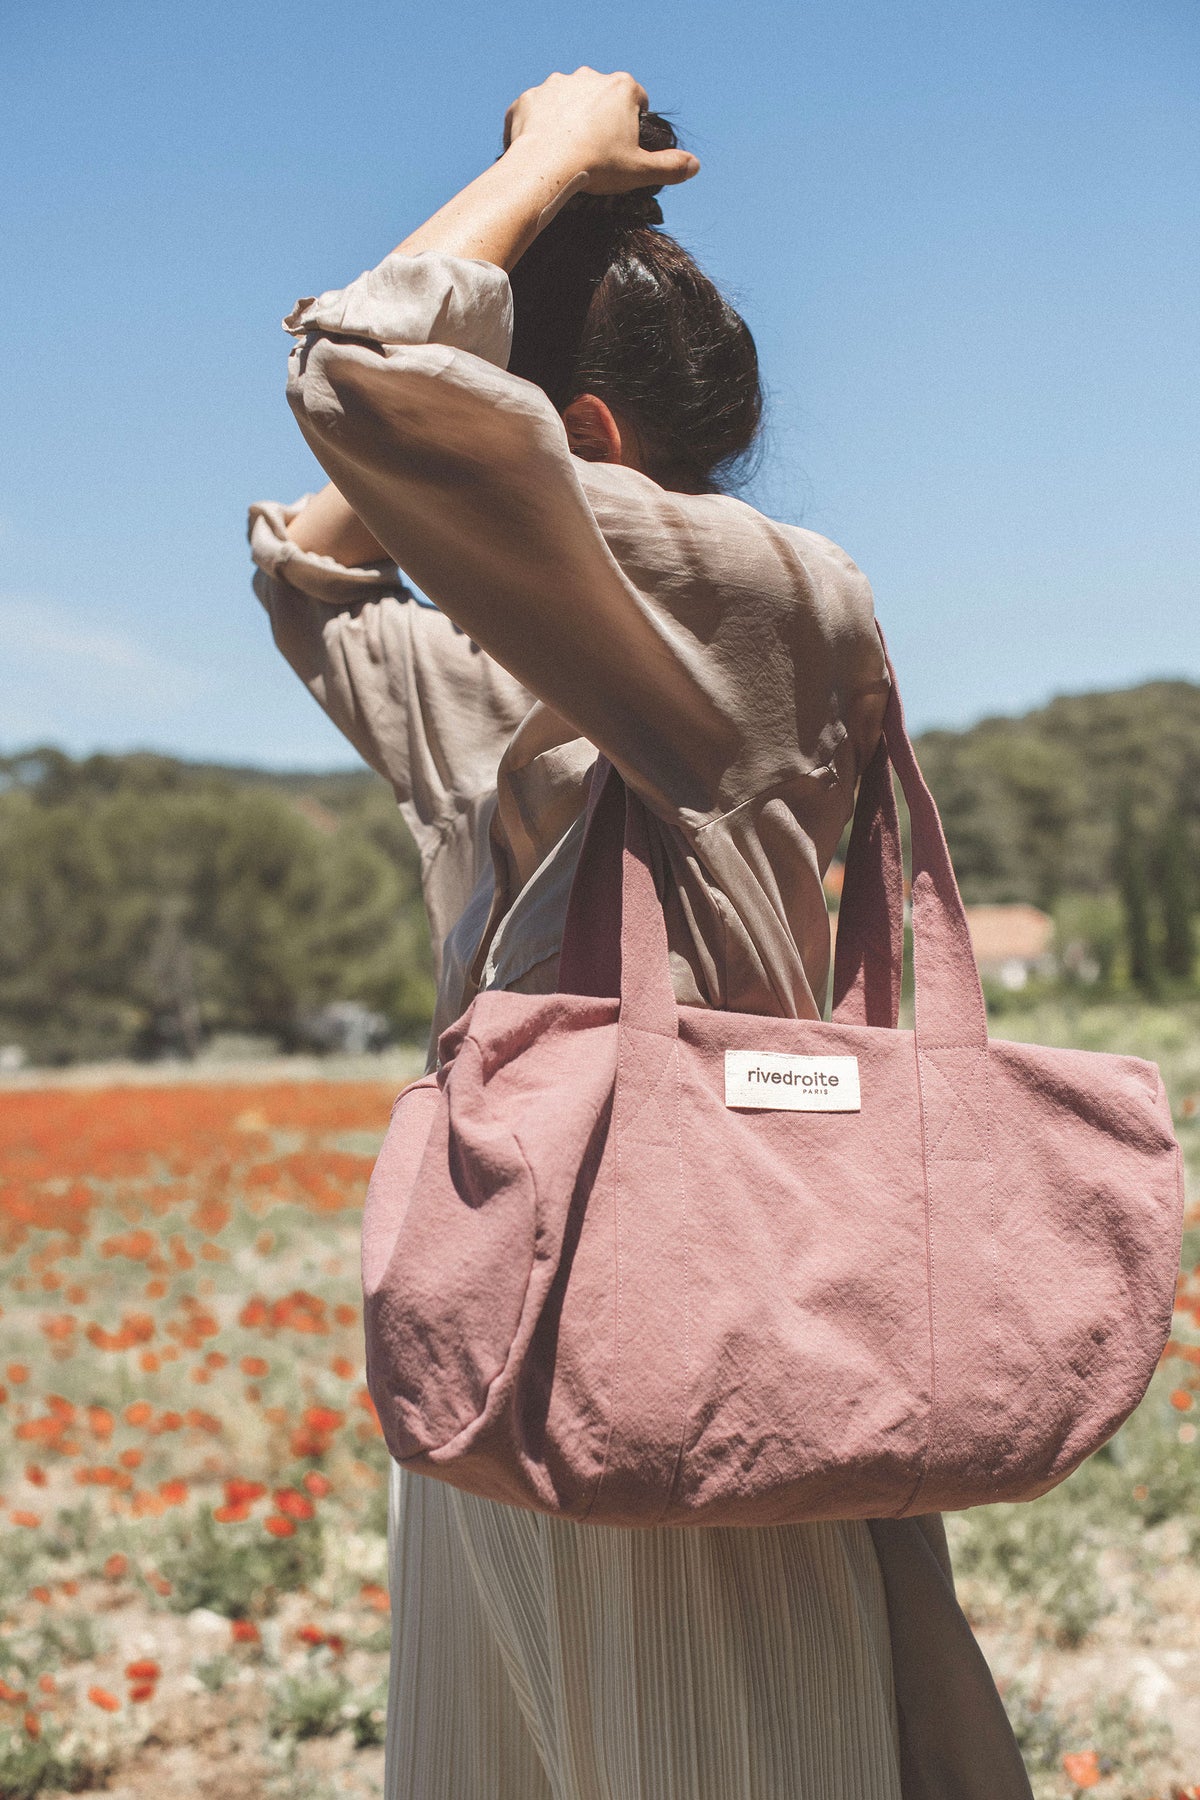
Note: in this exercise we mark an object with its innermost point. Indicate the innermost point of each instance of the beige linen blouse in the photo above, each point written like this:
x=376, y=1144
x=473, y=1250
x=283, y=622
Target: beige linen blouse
x=729, y=667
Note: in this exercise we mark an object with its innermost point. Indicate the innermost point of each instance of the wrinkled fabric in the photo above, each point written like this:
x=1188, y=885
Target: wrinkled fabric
x=669, y=1310
x=726, y=664
x=729, y=667
x=555, y=1663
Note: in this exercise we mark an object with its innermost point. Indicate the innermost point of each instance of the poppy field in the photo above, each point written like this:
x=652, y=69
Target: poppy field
x=193, y=1594
x=193, y=1574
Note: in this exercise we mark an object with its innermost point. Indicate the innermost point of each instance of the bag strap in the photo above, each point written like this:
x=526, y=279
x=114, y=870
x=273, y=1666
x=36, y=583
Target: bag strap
x=868, y=956
x=868, y=959
x=615, y=937
x=589, y=959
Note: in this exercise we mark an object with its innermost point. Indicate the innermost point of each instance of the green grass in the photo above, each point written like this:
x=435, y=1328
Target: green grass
x=1047, y=1734
x=233, y=1570
x=311, y=1704
x=1039, y=1574
x=31, y=1766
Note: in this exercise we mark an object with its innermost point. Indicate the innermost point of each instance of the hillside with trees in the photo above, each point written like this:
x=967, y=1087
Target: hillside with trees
x=1089, y=808
x=1036, y=807
x=148, y=905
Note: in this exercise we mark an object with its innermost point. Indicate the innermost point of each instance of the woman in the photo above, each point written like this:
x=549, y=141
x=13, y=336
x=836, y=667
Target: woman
x=542, y=455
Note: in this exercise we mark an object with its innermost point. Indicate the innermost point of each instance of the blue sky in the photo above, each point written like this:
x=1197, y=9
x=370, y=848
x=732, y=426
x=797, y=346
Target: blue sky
x=964, y=234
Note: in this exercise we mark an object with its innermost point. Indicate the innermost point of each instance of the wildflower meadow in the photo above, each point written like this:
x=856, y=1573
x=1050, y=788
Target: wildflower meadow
x=193, y=1577
x=193, y=1588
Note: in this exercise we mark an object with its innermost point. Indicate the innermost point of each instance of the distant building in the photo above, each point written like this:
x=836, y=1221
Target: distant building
x=1012, y=943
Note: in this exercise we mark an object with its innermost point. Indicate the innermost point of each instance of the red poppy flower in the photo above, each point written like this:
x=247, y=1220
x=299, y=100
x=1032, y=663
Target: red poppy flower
x=239, y=1492
x=1083, y=1768
x=323, y=1418
x=293, y=1504
x=231, y=1515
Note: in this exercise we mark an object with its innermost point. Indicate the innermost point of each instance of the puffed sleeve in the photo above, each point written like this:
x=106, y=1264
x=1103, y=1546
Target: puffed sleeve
x=420, y=702
x=676, y=642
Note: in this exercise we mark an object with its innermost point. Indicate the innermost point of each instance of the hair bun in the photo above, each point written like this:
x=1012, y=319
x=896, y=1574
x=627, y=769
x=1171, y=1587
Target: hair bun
x=639, y=206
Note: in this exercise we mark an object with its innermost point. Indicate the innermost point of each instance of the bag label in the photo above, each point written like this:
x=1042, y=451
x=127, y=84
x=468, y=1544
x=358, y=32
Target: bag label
x=770, y=1082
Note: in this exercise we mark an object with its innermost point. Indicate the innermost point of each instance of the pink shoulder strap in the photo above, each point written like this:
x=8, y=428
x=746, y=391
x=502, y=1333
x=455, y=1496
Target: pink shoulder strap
x=870, y=938
x=615, y=942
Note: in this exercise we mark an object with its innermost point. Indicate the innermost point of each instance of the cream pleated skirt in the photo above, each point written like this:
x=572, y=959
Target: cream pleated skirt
x=536, y=1659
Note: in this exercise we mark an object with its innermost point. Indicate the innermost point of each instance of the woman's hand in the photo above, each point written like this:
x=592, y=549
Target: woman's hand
x=572, y=134
x=588, y=123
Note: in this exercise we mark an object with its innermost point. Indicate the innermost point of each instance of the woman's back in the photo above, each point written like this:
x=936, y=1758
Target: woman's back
x=730, y=669
x=726, y=664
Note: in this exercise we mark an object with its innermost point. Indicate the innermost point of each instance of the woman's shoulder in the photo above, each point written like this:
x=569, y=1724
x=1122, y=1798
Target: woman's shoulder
x=726, y=546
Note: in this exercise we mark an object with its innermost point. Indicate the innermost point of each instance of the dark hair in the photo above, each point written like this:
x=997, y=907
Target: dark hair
x=605, y=303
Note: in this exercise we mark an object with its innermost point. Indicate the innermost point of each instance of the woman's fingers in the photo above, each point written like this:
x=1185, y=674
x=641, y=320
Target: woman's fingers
x=670, y=167
x=588, y=122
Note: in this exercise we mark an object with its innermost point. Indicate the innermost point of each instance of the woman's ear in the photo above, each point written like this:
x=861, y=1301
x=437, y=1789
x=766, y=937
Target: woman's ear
x=592, y=432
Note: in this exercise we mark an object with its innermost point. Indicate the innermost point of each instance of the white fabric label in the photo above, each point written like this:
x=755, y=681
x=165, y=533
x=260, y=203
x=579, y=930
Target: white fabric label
x=774, y=1083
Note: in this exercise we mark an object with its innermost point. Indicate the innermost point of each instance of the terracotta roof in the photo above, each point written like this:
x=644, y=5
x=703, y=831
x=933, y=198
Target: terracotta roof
x=999, y=934
x=1016, y=933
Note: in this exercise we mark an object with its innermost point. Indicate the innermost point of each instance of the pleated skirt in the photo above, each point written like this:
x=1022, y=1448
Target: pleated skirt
x=537, y=1659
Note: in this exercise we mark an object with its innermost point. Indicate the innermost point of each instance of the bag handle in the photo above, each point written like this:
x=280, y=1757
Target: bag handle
x=615, y=937
x=868, y=959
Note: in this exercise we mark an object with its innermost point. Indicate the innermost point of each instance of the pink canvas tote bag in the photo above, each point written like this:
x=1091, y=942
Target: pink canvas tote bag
x=646, y=1264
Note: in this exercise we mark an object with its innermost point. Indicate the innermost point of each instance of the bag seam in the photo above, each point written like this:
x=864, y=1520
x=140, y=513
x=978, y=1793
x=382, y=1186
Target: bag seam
x=673, y=1484
x=910, y=1502
x=616, y=1330
x=437, y=1449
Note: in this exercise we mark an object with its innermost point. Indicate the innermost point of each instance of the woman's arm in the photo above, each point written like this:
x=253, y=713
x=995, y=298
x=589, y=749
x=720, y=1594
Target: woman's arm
x=575, y=133
x=682, y=634
x=417, y=699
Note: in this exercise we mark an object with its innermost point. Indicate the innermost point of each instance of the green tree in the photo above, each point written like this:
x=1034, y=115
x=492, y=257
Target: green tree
x=145, y=903
x=1028, y=803
x=1177, y=892
x=1134, y=887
